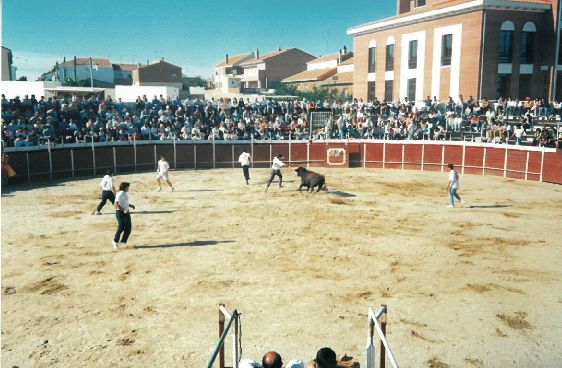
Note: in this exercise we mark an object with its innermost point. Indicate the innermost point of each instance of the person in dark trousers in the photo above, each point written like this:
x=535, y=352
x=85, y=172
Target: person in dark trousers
x=245, y=160
x=276, y=166
x=122, y=207
x=107, y=191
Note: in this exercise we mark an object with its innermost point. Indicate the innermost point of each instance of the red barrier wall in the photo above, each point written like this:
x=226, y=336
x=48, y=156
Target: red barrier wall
x=528, y=163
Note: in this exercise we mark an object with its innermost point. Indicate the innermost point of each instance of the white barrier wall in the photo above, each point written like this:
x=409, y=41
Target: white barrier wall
x=21, y=88
x=130, y=93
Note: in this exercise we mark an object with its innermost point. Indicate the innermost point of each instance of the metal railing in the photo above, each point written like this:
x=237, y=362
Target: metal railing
x=233, y=318
x=378, y=321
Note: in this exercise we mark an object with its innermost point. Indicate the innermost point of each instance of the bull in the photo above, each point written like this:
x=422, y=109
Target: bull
x=310, y=180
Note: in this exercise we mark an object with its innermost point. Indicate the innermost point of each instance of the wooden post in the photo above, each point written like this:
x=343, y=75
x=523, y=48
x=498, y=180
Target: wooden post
x=214, y=154
x=195, y=156
x=28, y=170
x=175, y=155
x=135, y=153
x=232, y=156
x=155, y=158
x=542, y=163
x=484, y=162
x=527, y=166
x=442, y=158
x=383, y=328
x=403, y=148
x=463, y=155
x=114, y=161
x=290, y=149
x=505, y=161
x=383, y=153
x=51, y=160
x=364, y=155
x=308, y=154
x=423, y=153
x=221, y=330
x=72, y=161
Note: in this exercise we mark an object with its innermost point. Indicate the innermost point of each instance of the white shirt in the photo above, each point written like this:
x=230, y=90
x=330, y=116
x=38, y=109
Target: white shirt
x=454, y=179
x=244, y=159
x=123, y=200
x=277, y=164
x=106, y=183
x=163, y=166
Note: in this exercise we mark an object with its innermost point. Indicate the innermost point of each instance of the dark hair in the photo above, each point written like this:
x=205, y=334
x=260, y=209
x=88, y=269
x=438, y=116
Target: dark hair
x=450, y=166
x=280, y=155
x=326, y=358
x=124, y=185
x=109, y=172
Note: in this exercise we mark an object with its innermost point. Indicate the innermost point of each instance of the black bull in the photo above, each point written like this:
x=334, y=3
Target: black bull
x=310, y=180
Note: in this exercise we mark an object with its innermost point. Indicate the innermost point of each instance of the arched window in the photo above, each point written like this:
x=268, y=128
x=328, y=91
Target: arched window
x=527, y=49
x=390, y=54
x=506, y=42
x=372, y=56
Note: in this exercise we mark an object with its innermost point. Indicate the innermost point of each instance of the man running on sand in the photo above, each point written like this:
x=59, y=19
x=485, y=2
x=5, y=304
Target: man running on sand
x=276, y=166
x=162, y=173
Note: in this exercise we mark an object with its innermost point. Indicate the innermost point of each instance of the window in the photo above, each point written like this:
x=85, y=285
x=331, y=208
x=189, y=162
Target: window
x=370, y=91
x=420, y=3
x=413, y=54
x=372, y=59
x=174, y=76
x=388, y=90
x=389, y=58
x=446, y=49
x=527, y=50
x=503, y=85
x=412, y=89
x=506, y=42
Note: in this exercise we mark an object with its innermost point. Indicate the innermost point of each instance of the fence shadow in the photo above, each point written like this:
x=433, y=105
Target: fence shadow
x=196, y=243
x=492, y=206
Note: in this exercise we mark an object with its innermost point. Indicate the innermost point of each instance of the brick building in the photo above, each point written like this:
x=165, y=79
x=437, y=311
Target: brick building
x=442, y=48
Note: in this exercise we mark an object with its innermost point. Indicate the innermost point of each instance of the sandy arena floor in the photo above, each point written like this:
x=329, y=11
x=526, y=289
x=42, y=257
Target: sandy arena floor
x=465, y=287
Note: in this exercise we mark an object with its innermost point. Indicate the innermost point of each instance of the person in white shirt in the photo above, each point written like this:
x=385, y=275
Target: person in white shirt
x=453, y=186
x=123, y=215
x=162, y=173
x=245, y=160
x=276, y=170
x=107, y=191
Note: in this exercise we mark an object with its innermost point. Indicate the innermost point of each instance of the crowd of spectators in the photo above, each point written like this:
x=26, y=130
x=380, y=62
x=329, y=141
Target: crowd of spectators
x=29, y=122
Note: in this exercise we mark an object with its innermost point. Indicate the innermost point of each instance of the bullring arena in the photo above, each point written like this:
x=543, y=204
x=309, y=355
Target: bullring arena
x=466, y=287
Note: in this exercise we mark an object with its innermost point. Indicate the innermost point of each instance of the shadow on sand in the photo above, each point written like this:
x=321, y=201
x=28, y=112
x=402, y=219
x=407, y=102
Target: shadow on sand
x=492, y=206
x=197, y=243
x=152, y=212
x=341, y=194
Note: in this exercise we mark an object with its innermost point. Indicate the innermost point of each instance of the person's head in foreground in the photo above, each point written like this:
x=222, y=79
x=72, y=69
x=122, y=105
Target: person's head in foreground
x=326, y=358
x=124, y=186
x=272, y=360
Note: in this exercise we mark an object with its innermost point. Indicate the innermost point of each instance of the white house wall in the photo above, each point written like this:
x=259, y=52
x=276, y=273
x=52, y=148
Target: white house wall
x=456, y=31
x=417, y=73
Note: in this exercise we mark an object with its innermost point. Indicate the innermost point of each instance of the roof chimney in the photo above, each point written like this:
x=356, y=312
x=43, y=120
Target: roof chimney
x=344, y=49
x=162, y=59
x=257, y=53
x=226, y=59
x=146, y=61
x=279, y=48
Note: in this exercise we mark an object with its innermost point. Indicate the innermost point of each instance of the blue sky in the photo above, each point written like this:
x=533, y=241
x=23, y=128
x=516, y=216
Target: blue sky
x=192, y=34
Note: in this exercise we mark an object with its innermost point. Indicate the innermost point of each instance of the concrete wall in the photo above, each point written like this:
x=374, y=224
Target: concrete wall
x=130, y=93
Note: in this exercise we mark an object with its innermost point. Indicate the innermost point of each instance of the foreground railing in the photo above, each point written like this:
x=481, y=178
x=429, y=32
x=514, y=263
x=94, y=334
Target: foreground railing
x=233, y=318
x=378, y=321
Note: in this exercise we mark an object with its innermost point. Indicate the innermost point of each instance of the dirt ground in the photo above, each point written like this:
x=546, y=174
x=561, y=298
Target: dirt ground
x=465, y=287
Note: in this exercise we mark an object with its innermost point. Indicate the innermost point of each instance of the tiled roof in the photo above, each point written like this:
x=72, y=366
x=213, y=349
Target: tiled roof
x=339, y=78
x=334, y=56
x=232, y=60
x=86, y=61
x=265, y=57
x=310, y=75
x=126, y=67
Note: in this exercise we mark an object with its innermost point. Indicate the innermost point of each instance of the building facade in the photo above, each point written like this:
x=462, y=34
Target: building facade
x=332, y=71
x=8, y=70
x=159, y=73
x=228, y=73
x=479, y=48
x=267, y=71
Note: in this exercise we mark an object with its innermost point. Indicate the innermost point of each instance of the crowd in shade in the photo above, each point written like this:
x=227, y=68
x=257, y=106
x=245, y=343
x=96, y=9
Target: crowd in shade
x=31, y=122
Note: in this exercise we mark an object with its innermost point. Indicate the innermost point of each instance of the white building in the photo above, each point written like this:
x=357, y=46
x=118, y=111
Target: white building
x=228, y=73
